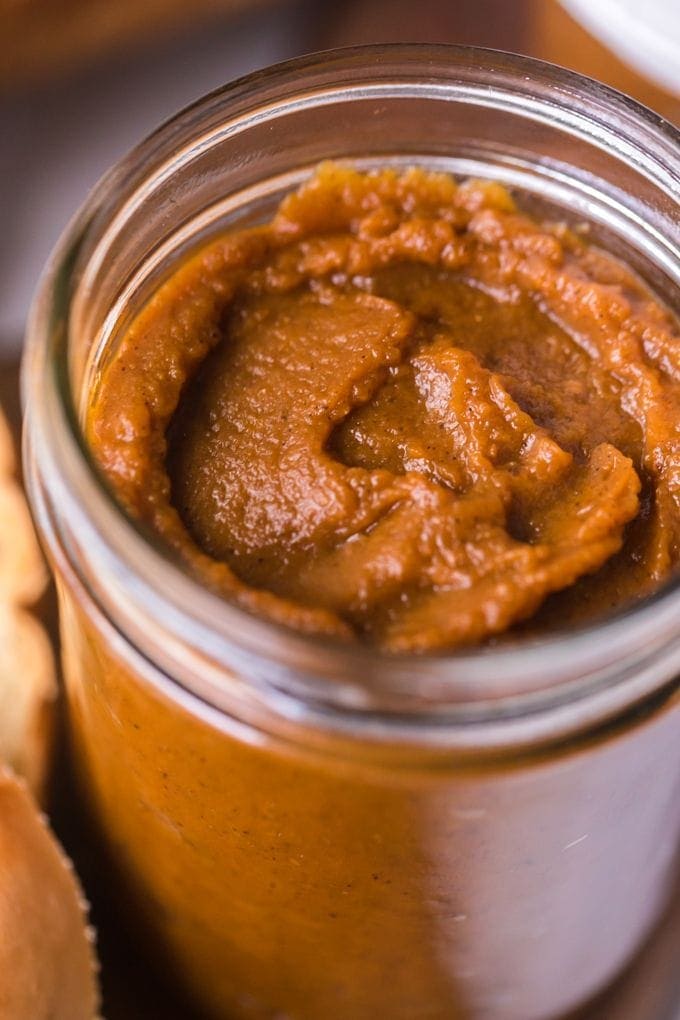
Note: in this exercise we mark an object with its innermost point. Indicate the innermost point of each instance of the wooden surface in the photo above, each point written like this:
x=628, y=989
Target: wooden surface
x=41, y=39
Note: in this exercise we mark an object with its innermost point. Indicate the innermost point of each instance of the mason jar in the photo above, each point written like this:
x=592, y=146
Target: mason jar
x=314, y=831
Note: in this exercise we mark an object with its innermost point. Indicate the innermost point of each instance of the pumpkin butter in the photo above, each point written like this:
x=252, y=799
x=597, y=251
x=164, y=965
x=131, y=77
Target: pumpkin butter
x=402, y=412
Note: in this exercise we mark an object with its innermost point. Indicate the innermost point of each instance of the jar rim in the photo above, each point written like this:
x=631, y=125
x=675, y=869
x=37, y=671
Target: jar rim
x=143, y=589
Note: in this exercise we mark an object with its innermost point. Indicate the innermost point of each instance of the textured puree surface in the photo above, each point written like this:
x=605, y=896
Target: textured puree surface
x=403, y=412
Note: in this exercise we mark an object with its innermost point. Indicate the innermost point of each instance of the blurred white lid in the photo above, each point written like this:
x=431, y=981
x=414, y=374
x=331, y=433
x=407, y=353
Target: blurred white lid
x=644, y=33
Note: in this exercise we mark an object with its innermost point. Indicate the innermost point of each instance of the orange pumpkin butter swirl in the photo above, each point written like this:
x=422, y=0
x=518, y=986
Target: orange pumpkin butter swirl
x=402, y=412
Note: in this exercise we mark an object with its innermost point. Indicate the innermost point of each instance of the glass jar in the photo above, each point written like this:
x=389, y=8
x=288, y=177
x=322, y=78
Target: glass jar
x=312, y=831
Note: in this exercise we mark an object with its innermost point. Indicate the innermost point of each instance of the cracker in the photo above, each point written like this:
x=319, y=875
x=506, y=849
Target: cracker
x=27, y=672
x=23, y=576
x=47, y=959
x=7, y=458
x=27, y=693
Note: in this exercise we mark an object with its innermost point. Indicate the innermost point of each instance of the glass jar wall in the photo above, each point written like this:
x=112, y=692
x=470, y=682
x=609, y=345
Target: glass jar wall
x=314, y=831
